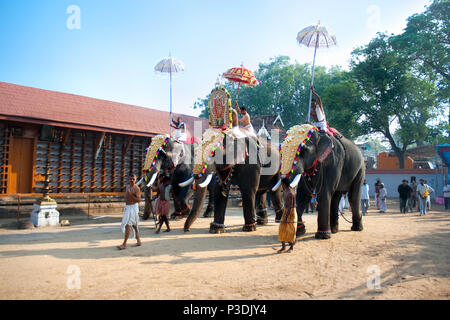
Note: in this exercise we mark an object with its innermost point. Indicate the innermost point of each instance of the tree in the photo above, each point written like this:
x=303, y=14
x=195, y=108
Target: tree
x=426, y=41
x=396, y=99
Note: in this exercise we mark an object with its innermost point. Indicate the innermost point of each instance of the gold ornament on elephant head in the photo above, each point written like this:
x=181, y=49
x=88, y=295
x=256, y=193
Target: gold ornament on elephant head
x=290, y=149
x=211, y=139
x=158, y=142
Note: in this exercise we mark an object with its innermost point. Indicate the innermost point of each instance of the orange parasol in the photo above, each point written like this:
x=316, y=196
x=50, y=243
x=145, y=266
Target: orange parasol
x=241, y=75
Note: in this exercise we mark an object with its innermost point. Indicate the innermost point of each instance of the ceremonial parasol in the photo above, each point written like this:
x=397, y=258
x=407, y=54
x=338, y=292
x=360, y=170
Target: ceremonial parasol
x=169, y=65
x=241, y=75
x=315, y=36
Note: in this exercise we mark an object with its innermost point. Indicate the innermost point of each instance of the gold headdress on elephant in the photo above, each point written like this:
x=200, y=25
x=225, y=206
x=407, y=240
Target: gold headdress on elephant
x=158, y=142
x=296, y=137
x=211, y=139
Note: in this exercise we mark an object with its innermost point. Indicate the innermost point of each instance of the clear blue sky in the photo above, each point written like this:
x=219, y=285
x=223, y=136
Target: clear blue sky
x=113, y=54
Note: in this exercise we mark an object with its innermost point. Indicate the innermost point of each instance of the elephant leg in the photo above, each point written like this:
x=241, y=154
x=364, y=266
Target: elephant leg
x=261, y=208
x=354, y=197
x=334, y=212
x=248, y=205
x=302, y=199
x=323, y=217
x=275, y=198
x=220, y=206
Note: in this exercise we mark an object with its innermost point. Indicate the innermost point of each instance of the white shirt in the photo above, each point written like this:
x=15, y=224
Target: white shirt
x=365, y=192
x=322, y=121
x=421, y=189
x=383, y=193
x=447, y=191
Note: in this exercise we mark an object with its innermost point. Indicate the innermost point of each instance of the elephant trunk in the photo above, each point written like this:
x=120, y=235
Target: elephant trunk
x=199, y=199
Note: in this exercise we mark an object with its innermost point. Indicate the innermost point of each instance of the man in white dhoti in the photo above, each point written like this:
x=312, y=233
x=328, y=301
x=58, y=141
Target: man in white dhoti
x=245, y=123
x=383, y=196
x=130, y=218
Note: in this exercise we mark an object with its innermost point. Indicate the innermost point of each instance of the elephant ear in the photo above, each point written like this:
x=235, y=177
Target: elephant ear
x=324, y=147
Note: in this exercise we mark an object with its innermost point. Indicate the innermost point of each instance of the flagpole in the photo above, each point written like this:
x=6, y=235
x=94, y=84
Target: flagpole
x=170, y=101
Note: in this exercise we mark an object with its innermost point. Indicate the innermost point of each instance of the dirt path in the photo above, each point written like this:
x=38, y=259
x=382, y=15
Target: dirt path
x=409, y=253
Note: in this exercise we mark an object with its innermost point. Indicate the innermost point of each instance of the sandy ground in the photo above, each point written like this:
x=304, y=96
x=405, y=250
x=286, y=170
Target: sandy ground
x=408, y=254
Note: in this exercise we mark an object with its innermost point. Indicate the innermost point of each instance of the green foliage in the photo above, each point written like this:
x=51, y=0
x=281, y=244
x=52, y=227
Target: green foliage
x=398, y=86
x=426, y=41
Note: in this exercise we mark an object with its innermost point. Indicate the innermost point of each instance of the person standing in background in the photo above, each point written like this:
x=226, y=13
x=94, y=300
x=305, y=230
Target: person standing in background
x=365, y=198
x=424, y=191
x=377, y=193
x=383, y=196
x=412, y=201
x=447, y=196
x=404, y=191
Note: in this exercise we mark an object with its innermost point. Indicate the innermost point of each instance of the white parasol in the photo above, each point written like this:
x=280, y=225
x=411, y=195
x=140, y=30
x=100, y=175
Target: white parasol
x=170, y=65
x=315, y=36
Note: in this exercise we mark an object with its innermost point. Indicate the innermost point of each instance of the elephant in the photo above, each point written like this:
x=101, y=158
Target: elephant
x=332, y=165
x=170, y=157
x=235, y=162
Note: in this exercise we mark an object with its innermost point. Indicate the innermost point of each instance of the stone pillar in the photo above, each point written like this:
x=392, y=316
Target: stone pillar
x=44, y=212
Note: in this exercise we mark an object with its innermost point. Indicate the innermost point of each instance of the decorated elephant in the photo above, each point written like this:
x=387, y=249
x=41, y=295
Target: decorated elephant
x=239, y=162
x=168, y=156
x=328, y=166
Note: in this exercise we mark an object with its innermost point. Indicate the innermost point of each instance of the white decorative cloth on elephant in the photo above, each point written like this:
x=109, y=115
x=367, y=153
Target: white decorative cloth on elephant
x=158, y=142
x=130, y=217
x=295, y=139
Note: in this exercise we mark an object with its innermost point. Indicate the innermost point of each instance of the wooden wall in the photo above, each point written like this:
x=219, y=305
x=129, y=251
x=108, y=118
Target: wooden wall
x=81, y=161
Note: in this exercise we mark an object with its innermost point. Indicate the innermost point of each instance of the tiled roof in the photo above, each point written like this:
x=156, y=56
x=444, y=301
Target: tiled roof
x=27, y=104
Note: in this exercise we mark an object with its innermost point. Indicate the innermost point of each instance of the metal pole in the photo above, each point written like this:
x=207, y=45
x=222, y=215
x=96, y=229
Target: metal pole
x=170, y=72
x=312, y=78
x=237, y=95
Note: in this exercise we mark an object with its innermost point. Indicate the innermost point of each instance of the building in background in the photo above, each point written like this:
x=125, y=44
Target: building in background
x=89, y=144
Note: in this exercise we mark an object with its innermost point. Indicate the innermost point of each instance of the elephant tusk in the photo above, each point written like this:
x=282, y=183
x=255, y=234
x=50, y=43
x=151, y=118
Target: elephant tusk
x=276, y=186
x=152, y=180
x=186, y=183
x=296, y=180
x=205, y=183
x=140, y=181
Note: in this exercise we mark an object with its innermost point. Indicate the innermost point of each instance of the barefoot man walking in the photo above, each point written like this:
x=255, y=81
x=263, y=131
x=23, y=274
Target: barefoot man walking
x=131, y=212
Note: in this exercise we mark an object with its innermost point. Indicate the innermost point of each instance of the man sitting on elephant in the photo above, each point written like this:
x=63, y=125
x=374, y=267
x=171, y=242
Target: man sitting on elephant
x=318, y=115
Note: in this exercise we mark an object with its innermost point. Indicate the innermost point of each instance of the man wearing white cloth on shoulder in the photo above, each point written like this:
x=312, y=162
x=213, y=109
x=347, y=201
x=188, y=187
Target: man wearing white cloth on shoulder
x=130, y=218
x=245, y=123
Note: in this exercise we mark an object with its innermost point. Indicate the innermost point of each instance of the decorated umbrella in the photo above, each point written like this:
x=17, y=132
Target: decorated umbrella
x=241, y=75
x=169, y=65
x=315, y=36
